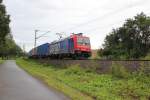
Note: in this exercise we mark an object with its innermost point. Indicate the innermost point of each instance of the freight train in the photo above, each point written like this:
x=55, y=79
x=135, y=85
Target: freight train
x=75, y=46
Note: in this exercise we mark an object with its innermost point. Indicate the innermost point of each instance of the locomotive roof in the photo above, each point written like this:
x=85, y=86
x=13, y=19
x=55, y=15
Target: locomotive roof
x=79, y=34
x=60, y=40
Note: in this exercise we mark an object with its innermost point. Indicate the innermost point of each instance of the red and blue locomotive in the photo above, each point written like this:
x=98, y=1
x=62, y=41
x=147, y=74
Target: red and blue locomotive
x=75, y=46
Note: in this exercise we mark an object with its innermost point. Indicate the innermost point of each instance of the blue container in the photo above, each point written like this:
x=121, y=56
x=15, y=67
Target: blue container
x=43, y=50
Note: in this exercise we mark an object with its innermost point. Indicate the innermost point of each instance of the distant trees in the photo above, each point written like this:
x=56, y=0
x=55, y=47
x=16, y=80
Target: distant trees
x=10, y=48
x=7, y=44
x=130, y=41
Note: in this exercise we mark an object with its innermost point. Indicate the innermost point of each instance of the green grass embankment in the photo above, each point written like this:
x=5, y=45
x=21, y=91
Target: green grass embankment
x=76, y=82
x=1, y=61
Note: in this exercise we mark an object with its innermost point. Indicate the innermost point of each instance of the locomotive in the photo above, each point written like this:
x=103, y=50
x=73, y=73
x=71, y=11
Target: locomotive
x=75, y=46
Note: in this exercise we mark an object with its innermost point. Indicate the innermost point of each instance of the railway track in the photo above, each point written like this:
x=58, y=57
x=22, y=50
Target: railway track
x=118, y=60
x=92, y=60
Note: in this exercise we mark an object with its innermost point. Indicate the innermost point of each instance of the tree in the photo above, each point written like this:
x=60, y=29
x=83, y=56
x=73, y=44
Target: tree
x=10, y=48
x=4, y=23
x=132, y=40
x=4, y=26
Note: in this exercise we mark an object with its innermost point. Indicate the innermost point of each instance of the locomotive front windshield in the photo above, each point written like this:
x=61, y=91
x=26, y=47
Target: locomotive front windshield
x=83, y=41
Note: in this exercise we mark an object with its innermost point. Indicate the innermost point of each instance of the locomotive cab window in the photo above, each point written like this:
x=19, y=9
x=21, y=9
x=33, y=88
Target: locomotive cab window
x=83, y=41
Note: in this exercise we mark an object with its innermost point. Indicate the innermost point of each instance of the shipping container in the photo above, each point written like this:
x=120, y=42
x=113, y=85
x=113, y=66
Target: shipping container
x=42, y=50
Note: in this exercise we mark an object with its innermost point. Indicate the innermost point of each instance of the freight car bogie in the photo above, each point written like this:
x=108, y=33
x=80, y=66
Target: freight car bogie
x=61, y=56
x=81, y=55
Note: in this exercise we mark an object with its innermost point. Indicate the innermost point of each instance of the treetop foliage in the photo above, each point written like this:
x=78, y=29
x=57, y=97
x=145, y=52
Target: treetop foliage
x=4, y=23
x=130, y=41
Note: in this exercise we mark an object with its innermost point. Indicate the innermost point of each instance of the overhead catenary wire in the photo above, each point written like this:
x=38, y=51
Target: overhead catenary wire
x=98, y=28
x=42, y=35
x=99, y=17
x=107, y=15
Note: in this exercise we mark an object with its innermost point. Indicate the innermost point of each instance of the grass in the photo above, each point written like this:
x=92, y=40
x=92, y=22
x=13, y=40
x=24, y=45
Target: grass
x=1, y=61
x=147, y=57
x=81, y=84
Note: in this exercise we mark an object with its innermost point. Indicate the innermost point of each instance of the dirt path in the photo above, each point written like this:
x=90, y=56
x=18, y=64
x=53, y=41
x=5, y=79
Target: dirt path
x=15, y=84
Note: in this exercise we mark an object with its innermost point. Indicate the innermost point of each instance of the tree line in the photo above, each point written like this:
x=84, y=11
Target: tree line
x=130, y=41
x=8, y=47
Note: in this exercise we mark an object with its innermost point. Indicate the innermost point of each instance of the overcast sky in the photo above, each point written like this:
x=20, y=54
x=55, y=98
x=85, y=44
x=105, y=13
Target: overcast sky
x=94, y=18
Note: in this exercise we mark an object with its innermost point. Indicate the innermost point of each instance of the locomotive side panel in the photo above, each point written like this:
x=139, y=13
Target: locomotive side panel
x=64, y=46
x=71, y=46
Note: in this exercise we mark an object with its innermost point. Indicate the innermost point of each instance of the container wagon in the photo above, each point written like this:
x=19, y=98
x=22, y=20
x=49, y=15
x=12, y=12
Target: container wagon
x=41, y=51
x=75, y=46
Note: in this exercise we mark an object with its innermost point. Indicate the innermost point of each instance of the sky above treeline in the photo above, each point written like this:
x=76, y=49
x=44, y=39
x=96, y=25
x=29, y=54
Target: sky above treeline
x=94, y=18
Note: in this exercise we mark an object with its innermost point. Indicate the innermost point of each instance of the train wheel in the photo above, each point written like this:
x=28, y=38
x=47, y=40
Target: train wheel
x=60, y=57
x=75, y=57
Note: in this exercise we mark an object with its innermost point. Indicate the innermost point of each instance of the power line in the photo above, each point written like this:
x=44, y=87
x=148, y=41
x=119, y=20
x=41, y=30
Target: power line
x=100, y=17
x=42, y=35
x=37, y=37
x=98, y=28
x=107, y=15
